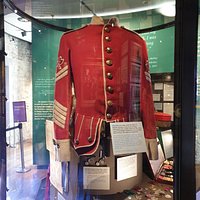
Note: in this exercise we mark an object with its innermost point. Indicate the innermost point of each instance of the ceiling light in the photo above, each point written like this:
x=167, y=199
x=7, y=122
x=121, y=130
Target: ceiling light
x=168, y=10
x=111, y=13
x=145, y=2
x=23, y=33
x=21, y=19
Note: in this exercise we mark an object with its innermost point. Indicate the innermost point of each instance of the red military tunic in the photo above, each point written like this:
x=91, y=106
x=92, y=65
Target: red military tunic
x=108, y=66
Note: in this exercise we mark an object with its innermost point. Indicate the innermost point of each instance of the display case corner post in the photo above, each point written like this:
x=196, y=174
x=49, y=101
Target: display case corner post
x=185, y=95
x=3, y=188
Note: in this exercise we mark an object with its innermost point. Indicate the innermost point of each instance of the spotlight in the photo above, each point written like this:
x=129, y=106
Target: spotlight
x=168, y=10
x=21, y=19
x=23, y=33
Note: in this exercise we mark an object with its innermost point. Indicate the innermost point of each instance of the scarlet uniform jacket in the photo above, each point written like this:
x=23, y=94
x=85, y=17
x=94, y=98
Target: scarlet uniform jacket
x=108, y=68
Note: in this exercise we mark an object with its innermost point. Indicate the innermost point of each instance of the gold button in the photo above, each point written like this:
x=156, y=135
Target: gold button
x=108, y=50
x=107, y=29
x=107, y=38
x=76, y=142
x=108, y=115
x=110, y=89
x=109, y=75
x=89, y=139
x=110, y=103
x=109, y=62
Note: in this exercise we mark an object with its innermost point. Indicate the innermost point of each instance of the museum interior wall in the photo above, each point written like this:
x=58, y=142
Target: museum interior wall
x=18, y=84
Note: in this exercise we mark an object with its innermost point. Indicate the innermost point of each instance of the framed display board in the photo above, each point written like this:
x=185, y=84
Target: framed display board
x=163, y=92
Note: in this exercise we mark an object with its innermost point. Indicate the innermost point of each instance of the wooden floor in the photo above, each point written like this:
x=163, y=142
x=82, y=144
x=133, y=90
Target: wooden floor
x=23, y=186
x=27, y=186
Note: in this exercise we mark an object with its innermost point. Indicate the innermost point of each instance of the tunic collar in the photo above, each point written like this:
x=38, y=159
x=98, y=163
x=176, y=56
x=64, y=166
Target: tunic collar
x=97, y=20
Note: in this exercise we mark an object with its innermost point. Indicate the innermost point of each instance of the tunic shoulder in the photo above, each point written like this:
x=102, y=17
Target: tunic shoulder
x=133, y=32
x=75, y=30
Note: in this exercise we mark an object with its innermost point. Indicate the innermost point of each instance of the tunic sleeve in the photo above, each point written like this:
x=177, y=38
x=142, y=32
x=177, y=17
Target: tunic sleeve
x=62, y=103
x=147, y=108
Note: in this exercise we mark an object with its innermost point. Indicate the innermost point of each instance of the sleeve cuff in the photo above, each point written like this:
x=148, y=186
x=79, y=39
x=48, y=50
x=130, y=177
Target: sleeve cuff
x=152, y=149
x=62, y=150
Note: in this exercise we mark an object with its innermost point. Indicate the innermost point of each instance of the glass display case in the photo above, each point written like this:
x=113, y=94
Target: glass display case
x=93, y=148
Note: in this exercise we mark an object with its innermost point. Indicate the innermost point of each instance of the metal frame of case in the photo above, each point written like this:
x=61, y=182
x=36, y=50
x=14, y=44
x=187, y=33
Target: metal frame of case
x=185, y=94
x=2, y=109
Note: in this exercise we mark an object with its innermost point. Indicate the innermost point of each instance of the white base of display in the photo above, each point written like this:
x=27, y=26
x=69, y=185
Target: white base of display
x=22, y=170
x=120, y=186
x=73, y=187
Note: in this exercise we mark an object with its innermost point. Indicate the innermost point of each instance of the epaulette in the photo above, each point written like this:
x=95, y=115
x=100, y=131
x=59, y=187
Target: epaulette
x=73, y=30
x=132, y=32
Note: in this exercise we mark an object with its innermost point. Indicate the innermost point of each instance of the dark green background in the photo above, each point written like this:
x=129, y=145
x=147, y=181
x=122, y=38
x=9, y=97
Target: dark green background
x=160, y=45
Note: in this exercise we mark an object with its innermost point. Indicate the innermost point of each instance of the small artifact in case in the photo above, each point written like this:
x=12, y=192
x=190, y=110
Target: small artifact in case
x=165, y=173
x=163, y=120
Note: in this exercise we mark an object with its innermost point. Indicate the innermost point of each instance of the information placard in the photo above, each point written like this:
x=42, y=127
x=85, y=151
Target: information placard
x=167, y=139
x=56, y=173
x=160, y=45
x=127, y=138
x=126, y=167
x=19, y=111
x=96, y=178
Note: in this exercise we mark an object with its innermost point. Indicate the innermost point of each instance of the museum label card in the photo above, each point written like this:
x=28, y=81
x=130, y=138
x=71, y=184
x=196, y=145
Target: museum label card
x=168, y=92
x=156, y=97
x=155, y=164
x=96, y=178
x=49, y=130
x=126, y=167
x=56, y=173
x=158, y=86
x=167, y=139
x=127, y=138
x=19, y=111
x=169, y=109
x=158, y=106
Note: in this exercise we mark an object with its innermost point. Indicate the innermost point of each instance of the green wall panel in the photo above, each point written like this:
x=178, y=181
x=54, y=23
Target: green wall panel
x=44, y=56
x=160, y=45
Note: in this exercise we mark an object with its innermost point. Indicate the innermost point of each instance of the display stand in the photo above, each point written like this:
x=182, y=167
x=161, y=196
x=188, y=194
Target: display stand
x=74, y=188
x=21, y=169
x=106, y=159
x=119, y=186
